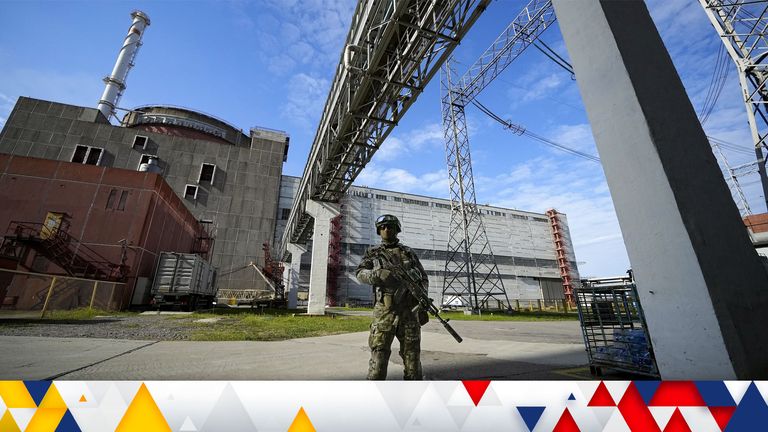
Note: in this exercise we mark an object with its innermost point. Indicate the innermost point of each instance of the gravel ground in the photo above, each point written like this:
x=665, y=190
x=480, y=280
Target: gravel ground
x=140, y=327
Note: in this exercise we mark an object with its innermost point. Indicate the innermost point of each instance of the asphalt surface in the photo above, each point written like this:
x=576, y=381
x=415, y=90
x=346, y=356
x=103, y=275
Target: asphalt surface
x=119, y=349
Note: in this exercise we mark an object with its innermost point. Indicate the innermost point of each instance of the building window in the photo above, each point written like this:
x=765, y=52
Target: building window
x=140, y=142
x=145, y=159
x=190, y=192
x=517, y=216
x=207, y=173
x=123, y=199
x=87, y=155
x=111, y=199
x=285, y=213
x=381, y=197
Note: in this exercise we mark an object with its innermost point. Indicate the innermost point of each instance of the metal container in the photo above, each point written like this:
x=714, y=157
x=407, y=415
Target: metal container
x=185, y=280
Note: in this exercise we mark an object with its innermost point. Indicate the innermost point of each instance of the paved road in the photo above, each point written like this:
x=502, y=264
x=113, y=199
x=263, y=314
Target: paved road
x=491, y=349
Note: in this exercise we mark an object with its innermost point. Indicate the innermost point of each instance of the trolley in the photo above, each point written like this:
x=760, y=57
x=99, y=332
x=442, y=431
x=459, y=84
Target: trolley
x=613, y=326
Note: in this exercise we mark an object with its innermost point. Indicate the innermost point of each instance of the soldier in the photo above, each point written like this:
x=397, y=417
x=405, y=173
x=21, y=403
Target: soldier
x=393, y=308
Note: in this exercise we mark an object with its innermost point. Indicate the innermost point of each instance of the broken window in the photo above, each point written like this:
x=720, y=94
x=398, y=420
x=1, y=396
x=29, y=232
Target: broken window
x=207, y=173
x=190, y=192
x=87, y=155
x=286, y=213
x=140, y=142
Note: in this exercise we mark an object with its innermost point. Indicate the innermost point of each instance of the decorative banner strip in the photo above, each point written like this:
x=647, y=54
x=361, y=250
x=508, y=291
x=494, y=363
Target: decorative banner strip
x=308, y=406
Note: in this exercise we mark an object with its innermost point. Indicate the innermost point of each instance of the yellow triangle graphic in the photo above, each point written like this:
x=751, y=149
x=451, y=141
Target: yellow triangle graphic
x=46, y=419
x=52, y=399
x=301, y=423
x=8, y=424
x=15, y=395
x=143, y=415
x=82, y=399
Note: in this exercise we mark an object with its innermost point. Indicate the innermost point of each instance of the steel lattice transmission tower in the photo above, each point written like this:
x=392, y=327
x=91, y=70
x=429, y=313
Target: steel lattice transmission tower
x=742, y=26
x=471, y=273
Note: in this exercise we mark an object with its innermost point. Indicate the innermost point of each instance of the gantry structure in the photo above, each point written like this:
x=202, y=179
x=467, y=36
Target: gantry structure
x=742, y=26
x=471, y=274
x=392, y=50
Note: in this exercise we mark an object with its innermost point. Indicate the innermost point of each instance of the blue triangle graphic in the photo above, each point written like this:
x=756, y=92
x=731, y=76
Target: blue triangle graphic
x=751, y=412
x=715, y=393
x=647, y=389
x=530, y=415
x=68, y=424
x=571, y=397
x=37, y=389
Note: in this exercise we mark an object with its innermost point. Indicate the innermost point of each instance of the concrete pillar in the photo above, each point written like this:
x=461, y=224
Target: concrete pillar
x=322, y=212
x=700, y=283
x=293, y=270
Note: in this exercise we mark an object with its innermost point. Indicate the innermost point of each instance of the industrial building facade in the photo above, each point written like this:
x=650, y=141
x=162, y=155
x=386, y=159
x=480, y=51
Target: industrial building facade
x=522, y=242
x=225, y=178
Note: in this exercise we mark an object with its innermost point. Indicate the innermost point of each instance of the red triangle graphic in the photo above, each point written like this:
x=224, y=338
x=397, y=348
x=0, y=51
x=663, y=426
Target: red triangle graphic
x=476, y=389
x=677, y=393
x=722, y=415
x=566, y=423
x=635, y=412
x=602, y=397
x=677, y=423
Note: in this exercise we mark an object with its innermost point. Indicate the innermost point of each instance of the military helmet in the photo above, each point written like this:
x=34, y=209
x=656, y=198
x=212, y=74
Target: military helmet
x=387, y=219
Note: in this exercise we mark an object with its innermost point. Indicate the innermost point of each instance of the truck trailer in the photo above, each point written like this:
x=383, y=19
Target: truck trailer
x=184, y=281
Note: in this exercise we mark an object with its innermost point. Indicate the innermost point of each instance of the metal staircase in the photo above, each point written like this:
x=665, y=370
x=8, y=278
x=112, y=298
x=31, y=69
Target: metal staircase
x=60, y=248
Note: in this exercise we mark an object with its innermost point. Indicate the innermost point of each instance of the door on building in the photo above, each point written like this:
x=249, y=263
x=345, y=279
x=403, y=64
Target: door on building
x=52, y=224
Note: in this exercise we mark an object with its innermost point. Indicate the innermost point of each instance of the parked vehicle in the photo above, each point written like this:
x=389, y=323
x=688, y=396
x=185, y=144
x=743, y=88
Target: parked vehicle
x=184, y=281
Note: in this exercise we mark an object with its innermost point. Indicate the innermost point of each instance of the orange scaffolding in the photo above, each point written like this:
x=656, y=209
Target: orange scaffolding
x=560, y=253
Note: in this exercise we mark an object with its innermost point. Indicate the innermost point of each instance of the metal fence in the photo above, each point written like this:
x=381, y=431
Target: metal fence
x=27, y=291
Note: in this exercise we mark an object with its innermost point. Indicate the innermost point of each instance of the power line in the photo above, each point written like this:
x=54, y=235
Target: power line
x=521, y=130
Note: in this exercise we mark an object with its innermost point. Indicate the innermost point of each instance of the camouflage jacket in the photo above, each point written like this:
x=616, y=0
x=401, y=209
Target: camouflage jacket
x=402, y=255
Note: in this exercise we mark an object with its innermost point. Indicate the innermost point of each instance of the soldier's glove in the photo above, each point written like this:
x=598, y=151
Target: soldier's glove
x=382, y=277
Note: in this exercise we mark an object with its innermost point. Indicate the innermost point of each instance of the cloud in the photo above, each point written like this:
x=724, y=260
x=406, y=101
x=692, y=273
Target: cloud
x=429, y=136
x=292, y=33
x=305, y=99
x=397, y=179
x=572, y=186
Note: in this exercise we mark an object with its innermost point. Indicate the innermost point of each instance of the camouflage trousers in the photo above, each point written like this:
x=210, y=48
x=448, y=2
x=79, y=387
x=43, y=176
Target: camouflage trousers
x=390, y=321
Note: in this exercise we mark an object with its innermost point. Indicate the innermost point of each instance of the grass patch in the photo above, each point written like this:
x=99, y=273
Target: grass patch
x=82, y=314
x=239, y=327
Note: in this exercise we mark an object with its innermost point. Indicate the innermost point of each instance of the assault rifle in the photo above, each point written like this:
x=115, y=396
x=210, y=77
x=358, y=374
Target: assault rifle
x=411, y=278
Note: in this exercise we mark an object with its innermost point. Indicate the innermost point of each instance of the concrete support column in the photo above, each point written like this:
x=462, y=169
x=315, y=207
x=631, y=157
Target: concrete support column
x=699, y=279
x=292, y=272
x=322, y=212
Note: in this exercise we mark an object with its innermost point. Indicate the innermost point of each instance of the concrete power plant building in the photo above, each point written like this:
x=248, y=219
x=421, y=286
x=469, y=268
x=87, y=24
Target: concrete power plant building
x=522, y=243
x=224, y=177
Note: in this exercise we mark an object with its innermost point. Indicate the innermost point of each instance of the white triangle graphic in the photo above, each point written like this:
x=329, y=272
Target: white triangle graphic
x=402, y=401
x=602, y=415
x=3, y=406
x=460, y=397
x=229, y=410
x=445, y=389
x=588, y=389
x=617, y=389
x=460, y=414
x=128, y=389
x=737, y=389
x=617, y=423
x=22, y=416
x=489, y=398
x=662, y=414
x=98, y=389
x=699, y=419
x=188, y=425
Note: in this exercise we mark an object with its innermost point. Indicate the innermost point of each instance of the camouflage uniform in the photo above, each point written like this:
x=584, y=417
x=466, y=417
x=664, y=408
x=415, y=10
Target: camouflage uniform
x=393, y=312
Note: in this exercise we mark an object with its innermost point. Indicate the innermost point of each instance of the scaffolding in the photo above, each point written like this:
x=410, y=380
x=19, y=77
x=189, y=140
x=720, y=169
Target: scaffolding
x=561, y=254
